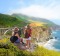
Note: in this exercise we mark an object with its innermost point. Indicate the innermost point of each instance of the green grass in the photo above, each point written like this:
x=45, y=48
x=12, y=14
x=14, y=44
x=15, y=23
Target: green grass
x=10, y=21
x=12, y=50
x=40, y=51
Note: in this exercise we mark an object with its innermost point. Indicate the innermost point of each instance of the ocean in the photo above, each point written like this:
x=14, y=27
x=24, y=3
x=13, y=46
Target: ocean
x=54, y=44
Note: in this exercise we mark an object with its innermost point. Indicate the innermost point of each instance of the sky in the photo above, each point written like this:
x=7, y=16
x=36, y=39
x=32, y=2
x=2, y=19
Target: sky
x=48, y=9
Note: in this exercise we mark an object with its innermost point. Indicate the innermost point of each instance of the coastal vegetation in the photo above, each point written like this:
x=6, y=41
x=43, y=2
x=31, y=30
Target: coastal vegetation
x=8, y=49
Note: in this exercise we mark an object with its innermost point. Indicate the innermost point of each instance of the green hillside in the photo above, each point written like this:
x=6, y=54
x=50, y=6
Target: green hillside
x=21, y=17
x=20, y=20
x=28, y=18
x=9, y=21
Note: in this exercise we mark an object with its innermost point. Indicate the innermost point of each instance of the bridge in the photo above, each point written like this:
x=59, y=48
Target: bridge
x=3, y=30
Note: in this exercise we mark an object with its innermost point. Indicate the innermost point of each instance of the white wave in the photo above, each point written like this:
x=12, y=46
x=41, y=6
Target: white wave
x=54, y=32
x=50, y=43
x=53, y=44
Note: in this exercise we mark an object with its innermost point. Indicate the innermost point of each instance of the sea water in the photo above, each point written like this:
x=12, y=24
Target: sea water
x=54, y=44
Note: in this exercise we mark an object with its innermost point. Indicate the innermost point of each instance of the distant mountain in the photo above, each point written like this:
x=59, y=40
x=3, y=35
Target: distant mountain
x=29, y=19
x=21, y=20
x=10, y=21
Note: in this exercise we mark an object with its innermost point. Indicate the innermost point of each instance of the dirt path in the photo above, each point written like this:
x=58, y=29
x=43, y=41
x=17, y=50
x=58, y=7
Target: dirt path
x=22, y=47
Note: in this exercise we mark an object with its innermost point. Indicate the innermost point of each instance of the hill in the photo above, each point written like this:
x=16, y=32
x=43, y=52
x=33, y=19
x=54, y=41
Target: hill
x=10, y=21
x=22, y=20
x=21, y=17
x=30, y=19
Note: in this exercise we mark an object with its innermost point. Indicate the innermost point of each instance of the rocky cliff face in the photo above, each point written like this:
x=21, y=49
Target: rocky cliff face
x=40, y=33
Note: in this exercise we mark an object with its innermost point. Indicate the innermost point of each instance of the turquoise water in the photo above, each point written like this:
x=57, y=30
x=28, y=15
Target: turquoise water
x=57, y=37
x=56, y=34
x=54, y=43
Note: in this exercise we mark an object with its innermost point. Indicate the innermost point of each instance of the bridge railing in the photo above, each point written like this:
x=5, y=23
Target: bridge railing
x=2, y=30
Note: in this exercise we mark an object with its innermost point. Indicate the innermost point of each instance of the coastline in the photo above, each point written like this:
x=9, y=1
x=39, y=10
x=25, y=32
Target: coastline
x=41, y=43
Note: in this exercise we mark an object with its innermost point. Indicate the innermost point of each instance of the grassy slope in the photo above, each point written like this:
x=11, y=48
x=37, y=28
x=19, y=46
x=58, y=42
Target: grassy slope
x=36, y=23
x=16, y=20
x=13, y=50
x=9, y=21
x=21, y=17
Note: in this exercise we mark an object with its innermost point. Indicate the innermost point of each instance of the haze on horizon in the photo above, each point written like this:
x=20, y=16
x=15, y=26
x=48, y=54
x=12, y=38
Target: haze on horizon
x=49, y=9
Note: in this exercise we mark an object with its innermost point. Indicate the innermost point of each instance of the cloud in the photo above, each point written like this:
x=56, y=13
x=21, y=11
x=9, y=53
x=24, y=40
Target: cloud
x=49, y=11
x=39, y=11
